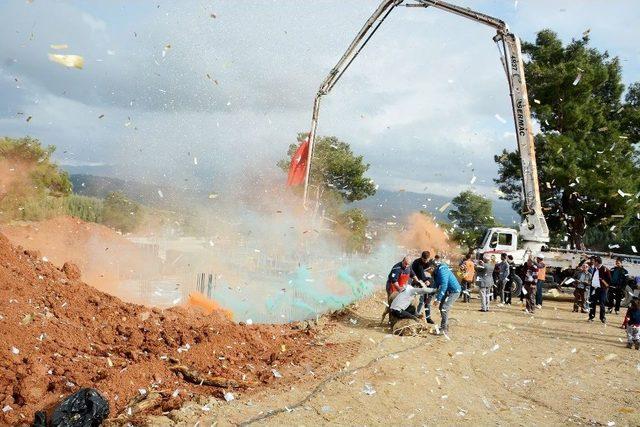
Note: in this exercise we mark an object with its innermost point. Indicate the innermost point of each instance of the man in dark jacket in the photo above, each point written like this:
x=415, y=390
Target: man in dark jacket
x=399, y=276
x=529, y=289
x=600, y=281
x=619, y=276
x=419, y=267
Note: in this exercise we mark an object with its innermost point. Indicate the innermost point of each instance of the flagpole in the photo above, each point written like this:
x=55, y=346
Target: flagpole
x=312, y=139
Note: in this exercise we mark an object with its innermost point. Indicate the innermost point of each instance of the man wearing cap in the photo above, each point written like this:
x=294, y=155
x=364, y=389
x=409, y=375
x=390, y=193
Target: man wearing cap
x=419, y=267
x=542, y=273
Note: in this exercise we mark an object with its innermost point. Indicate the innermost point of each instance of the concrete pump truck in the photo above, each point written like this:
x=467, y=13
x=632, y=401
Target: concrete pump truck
x=533, y=234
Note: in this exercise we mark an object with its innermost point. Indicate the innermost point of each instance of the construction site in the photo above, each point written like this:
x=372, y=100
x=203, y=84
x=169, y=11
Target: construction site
x=184, y=242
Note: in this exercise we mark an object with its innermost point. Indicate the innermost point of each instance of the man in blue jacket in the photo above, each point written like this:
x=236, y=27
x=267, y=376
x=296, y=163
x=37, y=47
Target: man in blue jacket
x=448, y=292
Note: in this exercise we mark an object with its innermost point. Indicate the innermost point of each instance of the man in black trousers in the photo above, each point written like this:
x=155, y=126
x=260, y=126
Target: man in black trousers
x=419, y=266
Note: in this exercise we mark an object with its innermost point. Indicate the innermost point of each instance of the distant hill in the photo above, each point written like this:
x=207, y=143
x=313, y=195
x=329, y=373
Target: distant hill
x=163, y=196
x=100, y=186
x=384, y=205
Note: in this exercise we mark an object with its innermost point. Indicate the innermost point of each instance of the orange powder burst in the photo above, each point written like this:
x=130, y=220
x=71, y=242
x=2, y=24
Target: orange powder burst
x=208, y=306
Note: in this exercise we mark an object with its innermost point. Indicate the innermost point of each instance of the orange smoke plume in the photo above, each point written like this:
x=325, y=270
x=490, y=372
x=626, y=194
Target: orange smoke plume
x=208, y=306
x=422, y=234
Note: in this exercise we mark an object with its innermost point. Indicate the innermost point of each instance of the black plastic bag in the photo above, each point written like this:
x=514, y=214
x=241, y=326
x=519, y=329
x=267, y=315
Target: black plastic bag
x=85, y=408
x=40, y=419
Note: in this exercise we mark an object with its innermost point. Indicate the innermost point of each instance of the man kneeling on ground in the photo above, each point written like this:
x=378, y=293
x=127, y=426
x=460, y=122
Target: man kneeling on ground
x=402, y=307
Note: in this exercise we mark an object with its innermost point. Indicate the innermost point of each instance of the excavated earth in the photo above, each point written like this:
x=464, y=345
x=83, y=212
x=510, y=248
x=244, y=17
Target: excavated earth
x=57, y=335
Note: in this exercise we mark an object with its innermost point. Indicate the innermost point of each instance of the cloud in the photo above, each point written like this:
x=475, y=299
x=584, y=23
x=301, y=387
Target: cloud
x=419, y=102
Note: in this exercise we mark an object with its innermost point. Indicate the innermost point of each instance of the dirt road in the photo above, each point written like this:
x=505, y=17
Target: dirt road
x=502, y=367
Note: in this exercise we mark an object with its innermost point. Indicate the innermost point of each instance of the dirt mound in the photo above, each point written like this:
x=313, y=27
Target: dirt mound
x=58, y=334
x=101, y=253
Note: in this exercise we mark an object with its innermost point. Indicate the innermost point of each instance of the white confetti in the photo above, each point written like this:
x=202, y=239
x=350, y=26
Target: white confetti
x=473, y=180
x=444, y=207
x=578, y=78
x=160, y=194
x=495, y=347
x=368, y=390
x=142, y=391
x=633, y=248
x=195, y=160
x=228, y=397
x=249, y=322
x=276, y=373
x=7, y=408
x=499, y=118
x=15, y=350
x=71, y=61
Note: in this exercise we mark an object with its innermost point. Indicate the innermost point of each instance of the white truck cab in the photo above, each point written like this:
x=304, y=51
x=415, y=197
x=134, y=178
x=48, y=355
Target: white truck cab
x=499, y=240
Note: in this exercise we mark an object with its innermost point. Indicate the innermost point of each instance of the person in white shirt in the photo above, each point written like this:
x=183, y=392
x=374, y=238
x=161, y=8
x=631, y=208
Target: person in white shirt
x=401, y=306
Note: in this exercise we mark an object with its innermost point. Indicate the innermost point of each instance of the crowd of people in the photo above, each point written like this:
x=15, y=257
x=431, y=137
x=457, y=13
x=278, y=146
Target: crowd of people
x=434, y=282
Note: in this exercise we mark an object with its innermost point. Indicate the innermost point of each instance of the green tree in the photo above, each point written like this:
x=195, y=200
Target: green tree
x=337, y=177
x=584, y=148
x=31, y=185
x=335, y=170
x=470, y=217
x=630, y=121
x=121, y=213
x=88, y=209
x=27, y=153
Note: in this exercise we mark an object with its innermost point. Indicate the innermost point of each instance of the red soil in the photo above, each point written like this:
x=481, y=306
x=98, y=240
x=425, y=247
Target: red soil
x=58, y=334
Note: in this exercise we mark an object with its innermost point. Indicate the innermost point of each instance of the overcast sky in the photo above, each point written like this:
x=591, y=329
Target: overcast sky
x=420, y=103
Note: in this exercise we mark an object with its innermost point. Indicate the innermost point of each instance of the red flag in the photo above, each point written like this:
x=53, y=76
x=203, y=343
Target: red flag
x=298, y=166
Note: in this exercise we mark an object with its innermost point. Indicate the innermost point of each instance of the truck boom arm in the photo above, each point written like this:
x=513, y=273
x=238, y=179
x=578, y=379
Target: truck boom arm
x=359, y=42
x=533, y=230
